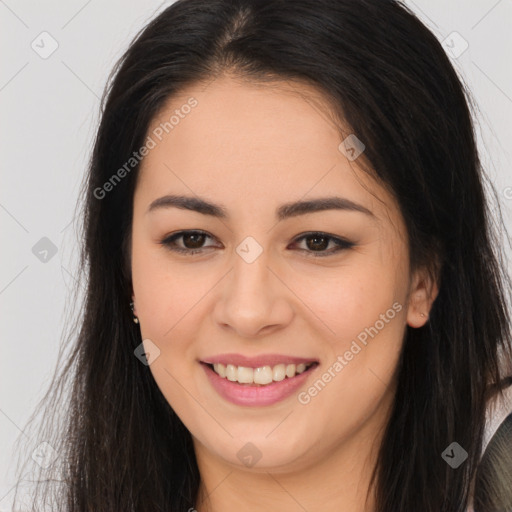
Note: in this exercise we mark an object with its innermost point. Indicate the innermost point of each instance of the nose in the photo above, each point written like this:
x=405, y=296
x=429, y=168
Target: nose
x=254, y=300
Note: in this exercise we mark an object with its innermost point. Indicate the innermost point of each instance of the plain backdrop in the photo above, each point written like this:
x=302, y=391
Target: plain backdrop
x=49, y=106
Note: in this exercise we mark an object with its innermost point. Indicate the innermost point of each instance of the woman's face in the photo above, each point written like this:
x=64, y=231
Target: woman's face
x=272, y=284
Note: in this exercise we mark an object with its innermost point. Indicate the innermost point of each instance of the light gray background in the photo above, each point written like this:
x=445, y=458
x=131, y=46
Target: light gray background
x=49, y=114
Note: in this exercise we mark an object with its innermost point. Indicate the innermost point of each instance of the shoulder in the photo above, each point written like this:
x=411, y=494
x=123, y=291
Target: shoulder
x=492, y=486
x=497, y=412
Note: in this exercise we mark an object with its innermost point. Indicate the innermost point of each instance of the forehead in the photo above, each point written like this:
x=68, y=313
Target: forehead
x=251, y=144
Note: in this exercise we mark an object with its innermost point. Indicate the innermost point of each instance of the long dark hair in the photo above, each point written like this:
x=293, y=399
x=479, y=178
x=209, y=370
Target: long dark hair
x=120, y=444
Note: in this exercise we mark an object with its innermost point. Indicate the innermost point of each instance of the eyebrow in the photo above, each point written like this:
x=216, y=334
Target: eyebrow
x=285, y=211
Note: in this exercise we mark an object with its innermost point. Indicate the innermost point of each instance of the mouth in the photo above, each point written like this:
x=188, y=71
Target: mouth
x=262, y=375
x=260, y=385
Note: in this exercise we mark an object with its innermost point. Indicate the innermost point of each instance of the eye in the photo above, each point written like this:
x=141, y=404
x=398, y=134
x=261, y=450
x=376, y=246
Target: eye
x=192, y=240
x=316, y=242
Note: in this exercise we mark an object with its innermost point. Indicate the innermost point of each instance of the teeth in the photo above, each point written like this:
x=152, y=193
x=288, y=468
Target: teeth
x=245, y=375
x=231, y=372
x=290, y=370
x=301, y=367
x=220, y=369
x=279, y=372
x=262, y=375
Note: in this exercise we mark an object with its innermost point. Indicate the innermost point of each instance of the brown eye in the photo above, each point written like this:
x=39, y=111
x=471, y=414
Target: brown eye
x=319, y=242
x=191, y=240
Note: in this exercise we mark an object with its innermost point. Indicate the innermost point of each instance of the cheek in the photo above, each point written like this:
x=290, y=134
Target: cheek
x=165, y=293
x=352, y=299
x=357, y=380
x=363, y=311
x=166, y=301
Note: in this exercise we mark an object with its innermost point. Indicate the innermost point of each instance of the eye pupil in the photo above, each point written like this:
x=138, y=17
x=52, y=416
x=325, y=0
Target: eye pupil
x=316, y=245
x=195, y=243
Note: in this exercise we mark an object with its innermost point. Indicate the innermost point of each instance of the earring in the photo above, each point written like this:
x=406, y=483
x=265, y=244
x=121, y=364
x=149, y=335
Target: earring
x=135, y=319
x=423, y=314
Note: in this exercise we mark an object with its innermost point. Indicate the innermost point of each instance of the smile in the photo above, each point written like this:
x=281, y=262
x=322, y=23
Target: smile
x=260, y=385
x=262, y=375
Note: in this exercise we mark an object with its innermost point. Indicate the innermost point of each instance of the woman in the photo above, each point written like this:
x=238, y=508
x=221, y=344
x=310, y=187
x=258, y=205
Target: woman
x=288, y=196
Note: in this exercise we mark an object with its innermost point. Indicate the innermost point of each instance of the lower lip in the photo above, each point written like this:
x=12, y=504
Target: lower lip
x=243, y=394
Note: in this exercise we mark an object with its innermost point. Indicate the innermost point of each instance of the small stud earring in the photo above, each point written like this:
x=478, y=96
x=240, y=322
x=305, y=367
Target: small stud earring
x=135, y=319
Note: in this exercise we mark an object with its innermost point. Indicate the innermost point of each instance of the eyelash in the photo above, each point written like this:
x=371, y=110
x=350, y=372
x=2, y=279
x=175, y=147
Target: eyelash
x=168, y=242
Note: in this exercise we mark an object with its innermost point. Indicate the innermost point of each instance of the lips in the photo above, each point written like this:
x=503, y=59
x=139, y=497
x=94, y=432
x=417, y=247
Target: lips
x=259, y=380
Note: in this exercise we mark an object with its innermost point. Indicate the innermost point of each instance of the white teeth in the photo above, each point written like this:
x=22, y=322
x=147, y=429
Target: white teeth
x=231, y=372
x=245, y=375
x=220, y=369
x=279, y=372
x=261, y=375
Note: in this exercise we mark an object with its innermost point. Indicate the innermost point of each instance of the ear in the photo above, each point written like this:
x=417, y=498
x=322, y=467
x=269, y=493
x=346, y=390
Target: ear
x=423, y=293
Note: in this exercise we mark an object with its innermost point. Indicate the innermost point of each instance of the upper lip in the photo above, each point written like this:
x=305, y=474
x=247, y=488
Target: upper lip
x=257, y=361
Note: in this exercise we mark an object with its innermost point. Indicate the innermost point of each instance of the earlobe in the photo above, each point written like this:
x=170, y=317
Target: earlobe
x=416, y=316
x=132, y=306
x=422, y=296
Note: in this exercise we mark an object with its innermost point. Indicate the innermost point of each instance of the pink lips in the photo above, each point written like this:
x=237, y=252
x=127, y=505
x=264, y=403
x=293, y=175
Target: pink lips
x=256, y=395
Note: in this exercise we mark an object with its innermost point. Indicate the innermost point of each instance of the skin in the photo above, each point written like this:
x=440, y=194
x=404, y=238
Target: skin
x=252, y=148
